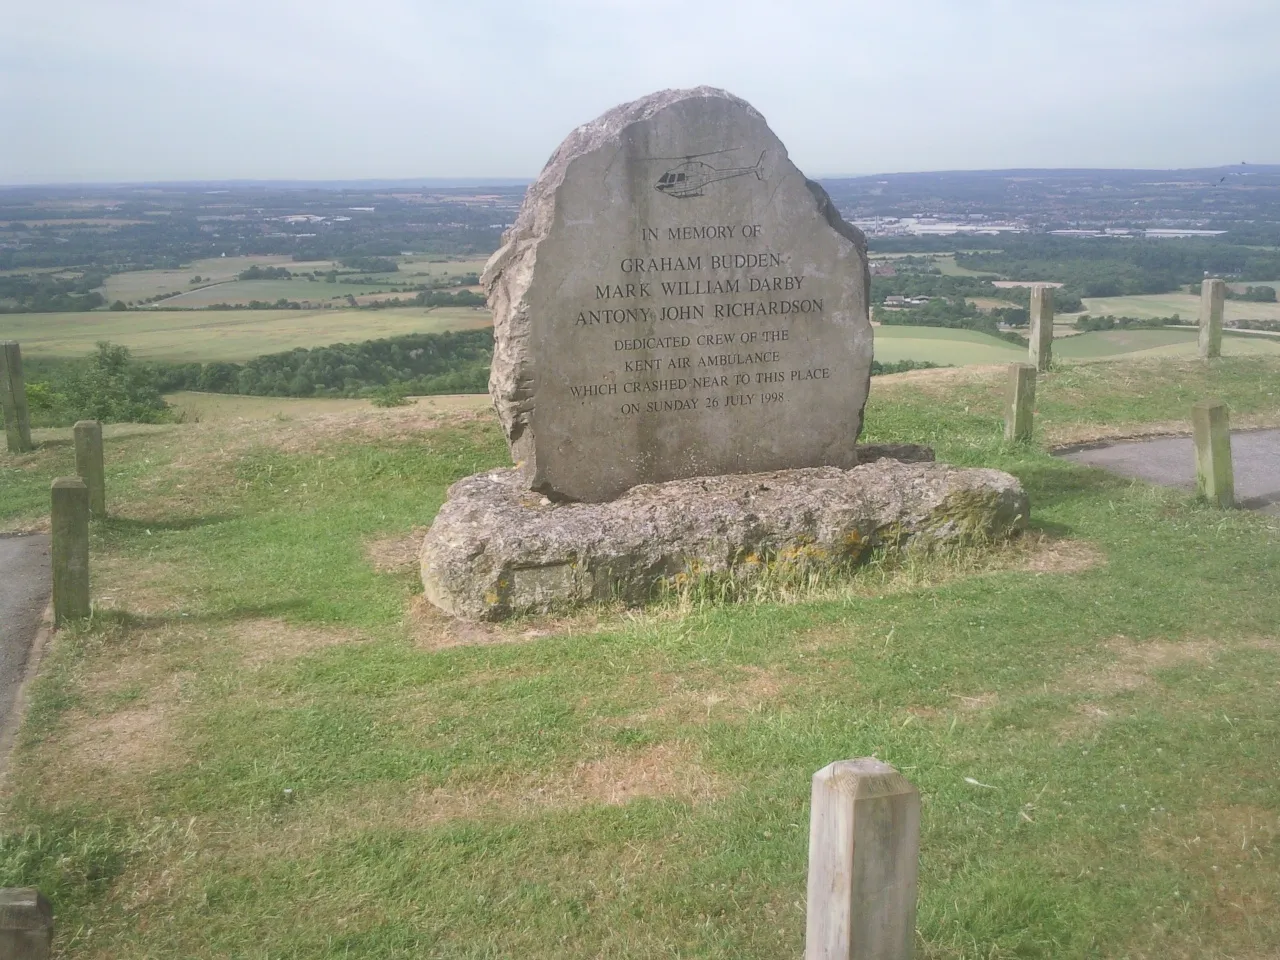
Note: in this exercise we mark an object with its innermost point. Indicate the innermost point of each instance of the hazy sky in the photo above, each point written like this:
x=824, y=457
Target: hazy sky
x=94, y=90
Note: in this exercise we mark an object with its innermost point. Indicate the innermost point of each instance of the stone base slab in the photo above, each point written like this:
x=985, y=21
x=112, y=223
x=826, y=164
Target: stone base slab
x=497, y=550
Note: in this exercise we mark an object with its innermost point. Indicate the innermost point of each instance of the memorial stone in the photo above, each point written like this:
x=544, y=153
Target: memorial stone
x=676, y=299
x=681, y=359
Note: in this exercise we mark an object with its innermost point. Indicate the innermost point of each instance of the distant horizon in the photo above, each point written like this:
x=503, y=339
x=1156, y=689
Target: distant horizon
x=508, y=181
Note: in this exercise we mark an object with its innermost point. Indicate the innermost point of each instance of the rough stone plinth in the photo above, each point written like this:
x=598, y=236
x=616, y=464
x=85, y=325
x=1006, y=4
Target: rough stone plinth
x=497, y=550
x=676, y=299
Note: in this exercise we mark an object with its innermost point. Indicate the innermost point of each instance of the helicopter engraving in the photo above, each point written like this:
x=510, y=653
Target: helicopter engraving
x=691, y=178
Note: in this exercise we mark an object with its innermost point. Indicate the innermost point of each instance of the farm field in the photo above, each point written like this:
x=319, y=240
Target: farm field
x=264, y=743
x=1185, y=305
x=942, y=345
x=135, y=285
x=269, y=291
x=947, y=264
x=1105, y=344
x=138, y=285
x=207, y=335
x=203, y=407
x=947, y=346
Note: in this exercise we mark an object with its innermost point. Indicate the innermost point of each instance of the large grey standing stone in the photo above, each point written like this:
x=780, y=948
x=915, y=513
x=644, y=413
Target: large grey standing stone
x=676, y=299
x=497, y=550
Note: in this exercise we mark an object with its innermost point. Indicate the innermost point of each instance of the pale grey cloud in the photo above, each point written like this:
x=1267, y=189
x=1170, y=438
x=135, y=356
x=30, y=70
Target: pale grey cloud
x=141, y=89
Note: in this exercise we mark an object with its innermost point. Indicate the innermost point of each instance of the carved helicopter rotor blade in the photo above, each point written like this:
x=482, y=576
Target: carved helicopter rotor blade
x=695, y=156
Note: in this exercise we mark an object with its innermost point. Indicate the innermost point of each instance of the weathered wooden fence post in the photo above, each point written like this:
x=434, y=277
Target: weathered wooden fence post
x=1019, y=401
x=1215, y=479
x=1213, y=297
x=13, y=398
x=1041, y=346
x=70, y=549
x=89, y=465
x=864, y=848
x=26, y=924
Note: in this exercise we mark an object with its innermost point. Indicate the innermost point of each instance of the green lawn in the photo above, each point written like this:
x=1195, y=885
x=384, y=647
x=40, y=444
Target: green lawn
x=942, y=345
x=951, y=347
x=1185, y=305
x=137, y=285
x=300, y=290
x=206, y=335
x=264, y=747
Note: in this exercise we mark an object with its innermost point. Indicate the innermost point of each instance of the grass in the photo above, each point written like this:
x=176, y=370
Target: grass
x=262, y=746
x=966, y=347
x=137, y=285
x=269, y=291
x=1186, y=305
x=197, y=407
x=224, y=334
x=948, y=266
x=1106, y=344
x=942, y=345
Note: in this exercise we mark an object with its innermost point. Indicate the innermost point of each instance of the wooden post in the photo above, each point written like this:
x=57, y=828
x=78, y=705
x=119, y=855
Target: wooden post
x=864, y=846
x=26, y=924
x=1213, y=297
x=1041, y=346
x=70, y=550
x=89, y=465
x=13, y=398
x=1019, y=402
x=1214, y=476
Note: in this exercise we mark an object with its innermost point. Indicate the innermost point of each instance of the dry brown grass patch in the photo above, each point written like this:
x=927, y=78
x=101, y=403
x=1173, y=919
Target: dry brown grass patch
x=1132, y=667
x=1230, y=847
x=393, y=423
x=1133, y=664
x=121, y=583
x=939, y=379
x=125, y=744
x=268, y=640
x=1040, y=553
x=701, y=697
x=982, y=701
x=618, y=777
x=433, y=629
x=393, y=554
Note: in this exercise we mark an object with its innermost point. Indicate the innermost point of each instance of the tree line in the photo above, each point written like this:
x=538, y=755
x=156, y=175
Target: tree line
x=1113, y=266
x=50, y=293
x=112, y=386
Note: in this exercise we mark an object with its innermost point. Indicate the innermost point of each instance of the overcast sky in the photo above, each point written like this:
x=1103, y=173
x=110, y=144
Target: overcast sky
x=104, y=90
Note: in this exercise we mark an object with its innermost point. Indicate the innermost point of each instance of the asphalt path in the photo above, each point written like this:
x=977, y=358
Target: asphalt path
x=1170, y=462
x=25, y=583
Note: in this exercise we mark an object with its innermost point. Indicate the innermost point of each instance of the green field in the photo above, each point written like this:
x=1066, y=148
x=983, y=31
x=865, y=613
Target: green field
x=954, y=347
x=1185, y=305
x=942, y=345
x=138, y=285
x=1105, y=344
x=306, y=292
x=205, y=335
x=947, y=264
x=264, y=744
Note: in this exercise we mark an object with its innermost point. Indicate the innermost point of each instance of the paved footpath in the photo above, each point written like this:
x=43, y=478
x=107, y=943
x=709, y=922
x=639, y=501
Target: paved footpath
x=25, y=583
x=1170, y=462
